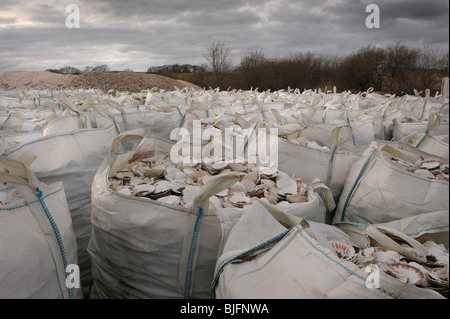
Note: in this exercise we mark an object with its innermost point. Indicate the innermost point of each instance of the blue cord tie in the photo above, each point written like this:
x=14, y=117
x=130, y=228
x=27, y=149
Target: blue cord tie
x=62, y=250
x=192, y=252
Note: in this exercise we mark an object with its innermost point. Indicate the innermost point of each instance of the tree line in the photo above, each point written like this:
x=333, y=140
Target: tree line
x=76, y=71
x=390, y=69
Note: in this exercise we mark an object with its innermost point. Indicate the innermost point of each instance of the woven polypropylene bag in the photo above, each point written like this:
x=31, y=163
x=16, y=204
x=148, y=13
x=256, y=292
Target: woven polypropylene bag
x=377, y=191
x=37, y=242
x=271, y=255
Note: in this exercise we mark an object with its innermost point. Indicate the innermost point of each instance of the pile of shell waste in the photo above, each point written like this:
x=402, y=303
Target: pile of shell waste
x=431, y=272
x=428, y=168
x=161, y=180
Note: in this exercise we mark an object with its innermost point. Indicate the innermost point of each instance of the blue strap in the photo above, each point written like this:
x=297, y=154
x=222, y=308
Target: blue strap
x=356, y=182
x=353, y=134
x=4, y=122
x=423, y=137
x=333, y=155
x=57, y=234
x=192, y=249
x=124, y=121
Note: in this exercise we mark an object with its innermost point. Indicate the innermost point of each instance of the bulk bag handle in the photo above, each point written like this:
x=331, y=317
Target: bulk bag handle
x=381, y=235
x=19, y=172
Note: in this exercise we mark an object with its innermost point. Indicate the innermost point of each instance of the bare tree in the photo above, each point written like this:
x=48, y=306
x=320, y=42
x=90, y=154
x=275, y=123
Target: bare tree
x=362, y=69
x=252, y=67
x=399, y=62
x=218, y=56
x=428, y=64
x=69, y=70
x=101, y=68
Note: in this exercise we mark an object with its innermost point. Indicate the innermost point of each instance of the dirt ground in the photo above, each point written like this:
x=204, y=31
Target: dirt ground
x=120, y=81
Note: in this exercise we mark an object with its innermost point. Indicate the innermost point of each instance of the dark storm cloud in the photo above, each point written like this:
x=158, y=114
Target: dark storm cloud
x=137, y=34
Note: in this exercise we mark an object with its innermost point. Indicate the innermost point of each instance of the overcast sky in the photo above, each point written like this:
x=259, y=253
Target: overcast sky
x=137, y=34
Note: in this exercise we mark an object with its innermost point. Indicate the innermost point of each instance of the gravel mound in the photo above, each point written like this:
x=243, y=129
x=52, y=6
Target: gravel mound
x=120, y=81
x=126, y=81
x=38, y=80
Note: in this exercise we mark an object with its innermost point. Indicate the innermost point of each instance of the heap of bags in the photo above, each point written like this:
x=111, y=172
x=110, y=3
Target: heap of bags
x=169, y=199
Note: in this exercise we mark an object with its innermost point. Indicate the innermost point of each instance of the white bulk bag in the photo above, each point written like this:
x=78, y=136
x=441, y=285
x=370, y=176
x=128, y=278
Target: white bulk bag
x=160, y=119
x=330, y=166
x=37, y=242
x=377, y=191
x=66, y=124
x=271, y=255
x=430, y=143
x=434, y=225
x=144, y=249
x=73, y=159
x=434, y=124
x=436, y=145
x=141, y=248
x=321, y=133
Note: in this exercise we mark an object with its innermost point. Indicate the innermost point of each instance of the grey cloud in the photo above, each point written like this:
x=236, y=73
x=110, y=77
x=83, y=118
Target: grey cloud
x=137, y=34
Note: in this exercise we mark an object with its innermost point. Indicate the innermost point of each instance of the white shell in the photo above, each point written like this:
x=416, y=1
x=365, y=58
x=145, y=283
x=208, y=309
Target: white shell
x=253, y=176
x=268, y=171
x=144, y=188
x=387, y=269
x=177, y=186
x=125, y=191
x=268, y=182
x=136, y=180
x=154, y=172
x=239, y=199
x=430, y=164
x=437, y=258
x=222, y=193
x=189, y=194
x=438, y=276
x=248, y=185
x=286, y=182
x=237, y=188
x=343, y=251
x=404, y=272
x=141, y=170
x=364, y=257
x=257, y=191
x=124, y=175
x=270, y=197
x=169, y=200
x=112, y=182
x=162, y=186
x=172, y=173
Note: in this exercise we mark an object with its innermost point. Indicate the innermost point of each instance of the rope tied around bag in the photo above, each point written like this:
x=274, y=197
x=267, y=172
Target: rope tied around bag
x=55, y=228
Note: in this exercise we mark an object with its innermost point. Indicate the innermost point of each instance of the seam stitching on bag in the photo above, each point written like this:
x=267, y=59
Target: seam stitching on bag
x=351, y=272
